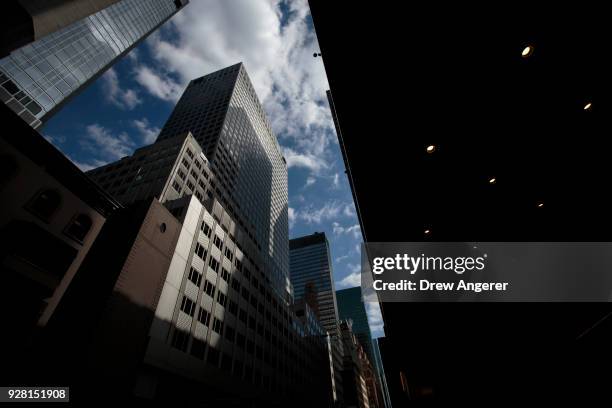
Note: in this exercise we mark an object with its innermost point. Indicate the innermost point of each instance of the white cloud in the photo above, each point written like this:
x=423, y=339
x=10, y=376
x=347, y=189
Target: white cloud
x=310, y=181
x=133, y=55
x=88, y=166
x=375, y=319
x=157, y=84
x=305, y=160
x=122, y=98
x=332, y=209
x=276, y=50
x=354, y=230
x=147, y=132
x=102, y=142
x=342, y=258
x=292, y=217
x=351, y=280
x=349, y=210
x=336, y=181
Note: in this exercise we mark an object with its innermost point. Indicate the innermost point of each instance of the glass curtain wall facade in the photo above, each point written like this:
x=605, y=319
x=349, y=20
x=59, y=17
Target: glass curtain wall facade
x=38, y=78
x=223, y=113
x=310, y=265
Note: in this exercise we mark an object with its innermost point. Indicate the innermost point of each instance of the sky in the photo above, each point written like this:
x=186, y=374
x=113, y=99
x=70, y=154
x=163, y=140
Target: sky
x=127, y=106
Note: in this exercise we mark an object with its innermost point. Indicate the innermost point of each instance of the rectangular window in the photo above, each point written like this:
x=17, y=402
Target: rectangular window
x=245, y=294
x=230, y=333
x=233, y=307
x=225, y=274
x=217, y=325
x=228, y=254
x=209, y=288
x=195, y=277
x=238, y=264
x=242, y=316
x=205, y=229
x=203, y=317
x=214, y=265
x=187, y=306
x=235, y=284
x=176, y=186
x=200, y=251
x=218, y=243
x=180, y=340
x=198, y=347
x=221, y=298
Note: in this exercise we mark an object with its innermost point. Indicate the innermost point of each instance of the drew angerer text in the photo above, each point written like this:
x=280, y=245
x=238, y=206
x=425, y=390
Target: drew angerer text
x=425, y=285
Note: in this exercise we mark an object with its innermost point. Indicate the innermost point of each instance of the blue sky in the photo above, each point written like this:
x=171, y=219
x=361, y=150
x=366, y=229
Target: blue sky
x=126, y=107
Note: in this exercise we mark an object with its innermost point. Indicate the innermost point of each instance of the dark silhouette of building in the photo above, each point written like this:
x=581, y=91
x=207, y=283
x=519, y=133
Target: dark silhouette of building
x=50, y=216
x=495, y=137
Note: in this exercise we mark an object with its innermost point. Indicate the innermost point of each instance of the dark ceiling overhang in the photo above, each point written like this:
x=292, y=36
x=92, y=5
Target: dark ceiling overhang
x=454, y=76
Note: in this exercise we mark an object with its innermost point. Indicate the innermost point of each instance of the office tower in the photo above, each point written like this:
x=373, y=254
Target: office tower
x=311, y=271
x=247, y=172
x=38, y=78
x=223, y=113
x=194, y=286
x=50, y=215
x=351, y=306
x=24, y=21
x=224, y=317
x=311, y=266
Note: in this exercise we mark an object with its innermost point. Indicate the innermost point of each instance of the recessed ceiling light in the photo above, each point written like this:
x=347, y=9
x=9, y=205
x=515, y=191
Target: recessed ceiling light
x=427, y=232
x=492, y=180
x=588, y=106
x=540, y=204
x=431, y=148
x=527, y=51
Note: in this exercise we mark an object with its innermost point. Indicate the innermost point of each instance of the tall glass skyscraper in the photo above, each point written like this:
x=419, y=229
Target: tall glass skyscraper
x=223, y=113
x=311, y=275
x=38, y=78
x=310, y=266
x=249, y=174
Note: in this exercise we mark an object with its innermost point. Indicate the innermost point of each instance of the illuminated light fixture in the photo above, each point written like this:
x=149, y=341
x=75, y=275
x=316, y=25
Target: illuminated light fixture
x=492, y=180
x=540, y=204
x=431, y=148
x=427, y=232
x=588, y=106
x=527, y=51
